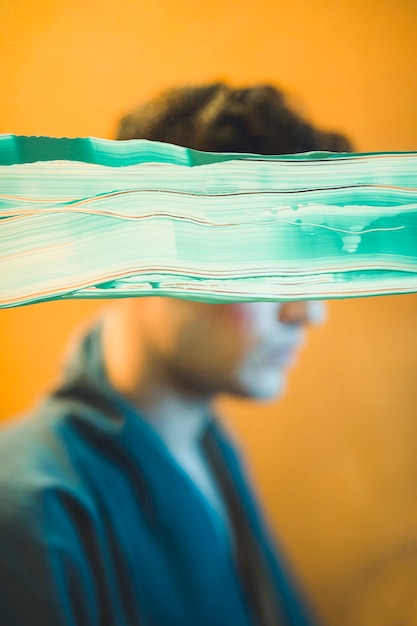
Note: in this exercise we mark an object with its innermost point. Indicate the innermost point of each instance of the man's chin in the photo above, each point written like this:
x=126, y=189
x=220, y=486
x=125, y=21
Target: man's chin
x=263, y=390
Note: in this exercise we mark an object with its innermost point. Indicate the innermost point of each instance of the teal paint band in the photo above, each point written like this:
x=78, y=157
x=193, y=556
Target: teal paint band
x=93, y=218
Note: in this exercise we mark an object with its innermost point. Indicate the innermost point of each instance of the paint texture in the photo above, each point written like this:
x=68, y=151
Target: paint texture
x=93, y=218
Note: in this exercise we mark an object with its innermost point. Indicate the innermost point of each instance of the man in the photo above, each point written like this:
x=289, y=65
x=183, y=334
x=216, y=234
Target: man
x=122, y=500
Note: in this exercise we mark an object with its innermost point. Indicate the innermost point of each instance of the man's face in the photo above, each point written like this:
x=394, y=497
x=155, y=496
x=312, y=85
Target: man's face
x=243, y=349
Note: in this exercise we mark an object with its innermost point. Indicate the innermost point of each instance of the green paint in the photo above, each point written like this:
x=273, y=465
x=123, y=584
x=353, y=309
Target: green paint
x=88, y=218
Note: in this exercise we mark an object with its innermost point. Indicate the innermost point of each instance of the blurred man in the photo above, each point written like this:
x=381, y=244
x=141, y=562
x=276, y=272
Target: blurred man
x=123, y=502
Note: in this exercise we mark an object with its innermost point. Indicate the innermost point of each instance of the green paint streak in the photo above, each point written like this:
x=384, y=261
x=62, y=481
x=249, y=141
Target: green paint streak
x=93, y=218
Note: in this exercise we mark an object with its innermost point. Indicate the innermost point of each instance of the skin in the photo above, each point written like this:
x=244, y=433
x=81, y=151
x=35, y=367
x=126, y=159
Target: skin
x=169, y=356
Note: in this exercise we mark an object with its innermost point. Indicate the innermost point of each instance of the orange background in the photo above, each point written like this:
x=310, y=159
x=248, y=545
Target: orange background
x=335, y=461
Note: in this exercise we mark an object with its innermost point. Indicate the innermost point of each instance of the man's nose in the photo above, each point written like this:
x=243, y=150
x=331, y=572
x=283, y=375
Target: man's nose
x=302, y=312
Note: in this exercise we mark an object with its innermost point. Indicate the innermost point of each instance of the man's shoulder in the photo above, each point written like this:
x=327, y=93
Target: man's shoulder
x=43, y=505
x=35, y=461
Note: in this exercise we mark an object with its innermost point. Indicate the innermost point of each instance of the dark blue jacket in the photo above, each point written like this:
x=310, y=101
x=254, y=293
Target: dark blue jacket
x=100, y=527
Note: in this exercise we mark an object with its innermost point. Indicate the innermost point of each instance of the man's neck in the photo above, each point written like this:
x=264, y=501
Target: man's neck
x=149, y=385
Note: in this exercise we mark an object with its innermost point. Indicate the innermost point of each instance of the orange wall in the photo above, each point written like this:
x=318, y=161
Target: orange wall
x=336, y=460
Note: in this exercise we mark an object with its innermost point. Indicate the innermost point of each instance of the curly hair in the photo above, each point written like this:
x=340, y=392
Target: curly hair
x=218, y=118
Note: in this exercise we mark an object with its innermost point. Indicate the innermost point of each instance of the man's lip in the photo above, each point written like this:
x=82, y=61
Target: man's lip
x=282, y=355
